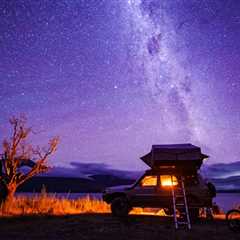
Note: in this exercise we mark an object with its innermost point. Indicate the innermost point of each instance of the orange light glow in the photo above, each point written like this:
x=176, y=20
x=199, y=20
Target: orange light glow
x=167, y=181
x=149, y=181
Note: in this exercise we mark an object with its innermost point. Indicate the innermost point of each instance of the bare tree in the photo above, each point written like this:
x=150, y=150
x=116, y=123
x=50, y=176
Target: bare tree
x=18, y=152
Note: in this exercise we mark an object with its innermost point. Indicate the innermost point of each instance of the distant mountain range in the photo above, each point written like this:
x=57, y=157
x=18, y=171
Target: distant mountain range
x=95, y=184
x=94, y=177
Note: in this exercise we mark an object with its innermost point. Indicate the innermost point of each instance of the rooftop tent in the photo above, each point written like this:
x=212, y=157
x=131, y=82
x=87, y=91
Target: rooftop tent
x=178, y=155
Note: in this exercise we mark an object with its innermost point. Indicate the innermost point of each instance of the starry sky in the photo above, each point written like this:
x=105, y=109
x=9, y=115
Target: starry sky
x=113, y=77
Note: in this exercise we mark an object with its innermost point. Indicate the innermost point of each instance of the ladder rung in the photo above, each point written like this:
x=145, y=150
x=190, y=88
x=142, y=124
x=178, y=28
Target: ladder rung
x=183, y=213
x=180, y=201
x=183, y=223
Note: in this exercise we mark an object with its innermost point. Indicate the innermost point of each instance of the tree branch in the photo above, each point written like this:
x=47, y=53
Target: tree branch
x=19, y=153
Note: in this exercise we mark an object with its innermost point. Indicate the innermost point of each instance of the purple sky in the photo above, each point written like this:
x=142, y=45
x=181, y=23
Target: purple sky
x=111, y=78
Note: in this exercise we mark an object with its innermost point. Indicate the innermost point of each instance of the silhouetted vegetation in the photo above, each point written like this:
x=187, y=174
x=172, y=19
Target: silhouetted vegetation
x=18, y=152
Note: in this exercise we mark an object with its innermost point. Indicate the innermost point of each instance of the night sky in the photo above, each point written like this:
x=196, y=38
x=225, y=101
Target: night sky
x=113, y=77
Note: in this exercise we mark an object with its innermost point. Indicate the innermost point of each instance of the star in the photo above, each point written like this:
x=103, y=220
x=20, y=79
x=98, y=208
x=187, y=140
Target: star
x=114, y=77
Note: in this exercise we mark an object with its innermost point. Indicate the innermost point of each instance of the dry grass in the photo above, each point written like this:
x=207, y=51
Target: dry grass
x=49, y=204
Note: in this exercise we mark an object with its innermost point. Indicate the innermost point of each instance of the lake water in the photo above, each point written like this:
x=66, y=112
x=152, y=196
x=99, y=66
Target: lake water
x=225, y=201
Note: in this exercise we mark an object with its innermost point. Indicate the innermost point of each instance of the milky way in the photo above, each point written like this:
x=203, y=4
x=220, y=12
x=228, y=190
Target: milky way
x=111, y=78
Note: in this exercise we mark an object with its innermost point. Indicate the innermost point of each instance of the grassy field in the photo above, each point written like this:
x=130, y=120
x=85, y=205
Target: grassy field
x=49, y=204
x=48, y=217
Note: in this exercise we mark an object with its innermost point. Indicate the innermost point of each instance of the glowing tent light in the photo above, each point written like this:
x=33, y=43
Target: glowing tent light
x=167, y=180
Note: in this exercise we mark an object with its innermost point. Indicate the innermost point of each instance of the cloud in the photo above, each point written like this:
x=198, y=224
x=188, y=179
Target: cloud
x=85, y=170
x=221, y=170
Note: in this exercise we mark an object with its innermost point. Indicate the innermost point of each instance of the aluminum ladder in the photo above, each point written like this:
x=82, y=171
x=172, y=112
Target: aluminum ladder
x=177, y=194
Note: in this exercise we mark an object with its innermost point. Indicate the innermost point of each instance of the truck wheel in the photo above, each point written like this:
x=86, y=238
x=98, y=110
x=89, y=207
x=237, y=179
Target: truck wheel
x=233, y=220
x=120, y=207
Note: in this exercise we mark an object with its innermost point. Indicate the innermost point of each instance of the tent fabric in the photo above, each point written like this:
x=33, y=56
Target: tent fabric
x=174, y=154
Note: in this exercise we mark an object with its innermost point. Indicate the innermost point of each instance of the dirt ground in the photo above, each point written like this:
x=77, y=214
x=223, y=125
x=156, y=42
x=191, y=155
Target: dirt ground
x=105, y=227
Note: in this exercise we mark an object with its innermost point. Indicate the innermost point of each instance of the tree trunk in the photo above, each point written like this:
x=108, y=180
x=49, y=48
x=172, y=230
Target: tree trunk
x=11, y=189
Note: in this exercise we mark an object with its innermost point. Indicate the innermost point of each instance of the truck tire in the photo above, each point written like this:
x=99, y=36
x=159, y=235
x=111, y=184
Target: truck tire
x=233, y=220
x=120, y=207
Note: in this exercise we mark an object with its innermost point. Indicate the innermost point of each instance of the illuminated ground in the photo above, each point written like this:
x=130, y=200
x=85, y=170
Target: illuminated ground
x=104, y=226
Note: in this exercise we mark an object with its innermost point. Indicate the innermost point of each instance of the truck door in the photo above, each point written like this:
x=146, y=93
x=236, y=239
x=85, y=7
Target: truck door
x=164, y=191
x=144, y=193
